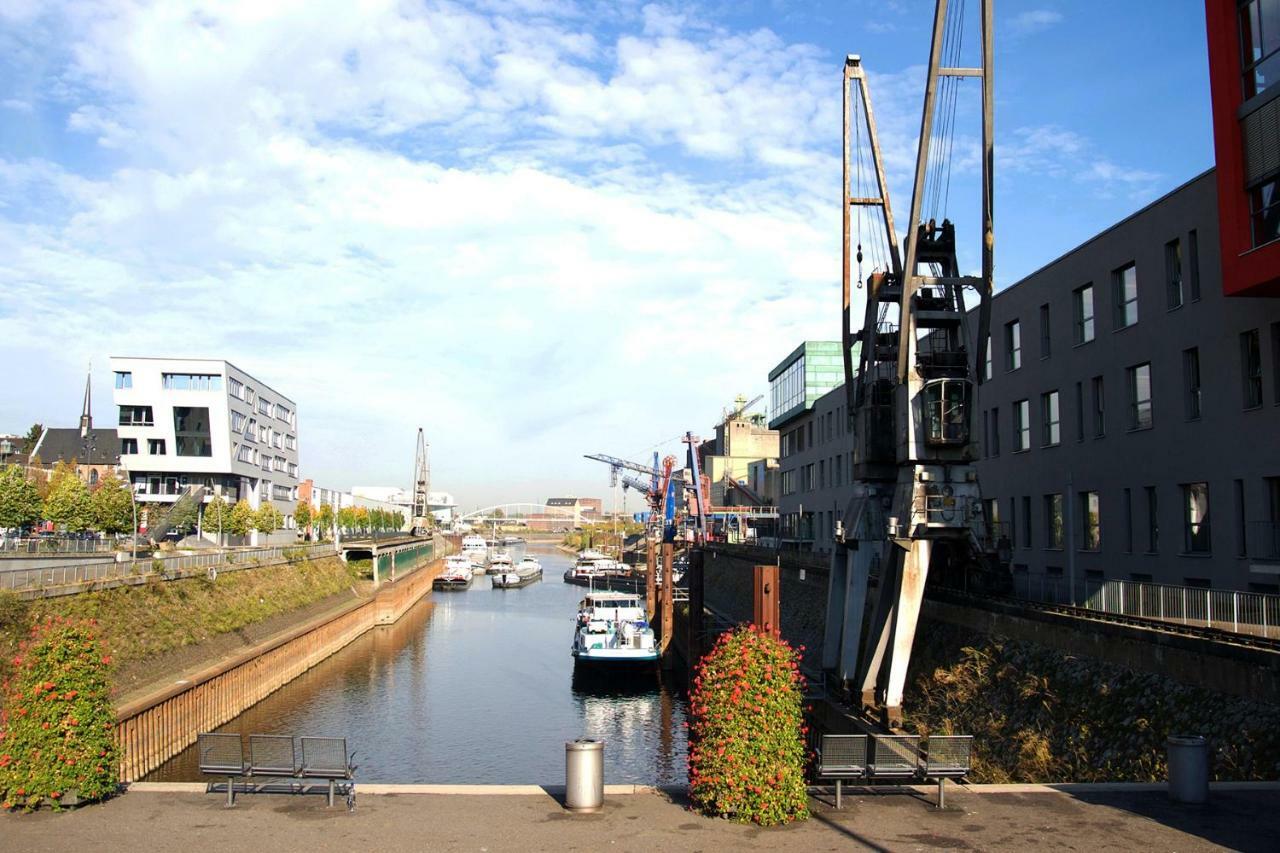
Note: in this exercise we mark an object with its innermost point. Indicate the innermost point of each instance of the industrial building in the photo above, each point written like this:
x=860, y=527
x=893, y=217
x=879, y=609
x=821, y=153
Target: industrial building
x=1127, y=423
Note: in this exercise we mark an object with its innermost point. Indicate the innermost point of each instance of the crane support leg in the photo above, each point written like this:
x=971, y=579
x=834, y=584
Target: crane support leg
x=881, y=629
x=855, y=598
x=915, y=570
x=836, y=626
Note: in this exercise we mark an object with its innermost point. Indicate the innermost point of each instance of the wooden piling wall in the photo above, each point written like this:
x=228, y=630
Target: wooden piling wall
x=152, y=730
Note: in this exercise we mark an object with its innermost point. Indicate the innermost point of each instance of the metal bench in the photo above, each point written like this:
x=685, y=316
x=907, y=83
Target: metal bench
x=842, y=757
x=895, y=757
x=327, y=758
x=221, y=755
x=278, y=758
x=947, y=757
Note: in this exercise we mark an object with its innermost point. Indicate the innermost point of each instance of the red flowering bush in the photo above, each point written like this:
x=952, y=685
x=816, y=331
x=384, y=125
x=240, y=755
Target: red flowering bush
x=746, y=744
x=57, y=723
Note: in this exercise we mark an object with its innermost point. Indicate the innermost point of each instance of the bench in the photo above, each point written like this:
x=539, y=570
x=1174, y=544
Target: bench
x=295, y=761
x=873, y=758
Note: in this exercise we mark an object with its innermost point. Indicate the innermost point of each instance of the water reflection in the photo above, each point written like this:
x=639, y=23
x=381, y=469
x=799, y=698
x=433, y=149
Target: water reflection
x=475, y=687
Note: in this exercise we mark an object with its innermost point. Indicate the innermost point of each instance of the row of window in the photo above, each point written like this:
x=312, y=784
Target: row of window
x=831, y=425
x=191, y=381
x=1194, y=501
x=1124, y=288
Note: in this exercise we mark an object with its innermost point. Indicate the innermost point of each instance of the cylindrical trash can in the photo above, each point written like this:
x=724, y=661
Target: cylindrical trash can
x=1188, y=768
x=584, y=775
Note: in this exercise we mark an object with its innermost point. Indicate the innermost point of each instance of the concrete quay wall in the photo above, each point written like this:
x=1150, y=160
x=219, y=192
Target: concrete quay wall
x=153, y=729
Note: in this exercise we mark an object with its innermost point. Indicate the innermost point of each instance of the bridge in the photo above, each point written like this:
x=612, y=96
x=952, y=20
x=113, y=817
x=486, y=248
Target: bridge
x=523, y=513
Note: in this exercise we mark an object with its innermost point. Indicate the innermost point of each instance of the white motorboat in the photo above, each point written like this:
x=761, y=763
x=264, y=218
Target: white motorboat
x=457, y=573
x=521, y=574
x=590, y=565
x=612, y=631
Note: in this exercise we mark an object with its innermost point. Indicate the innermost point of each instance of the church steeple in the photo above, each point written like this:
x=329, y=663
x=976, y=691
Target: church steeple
x=86, y=416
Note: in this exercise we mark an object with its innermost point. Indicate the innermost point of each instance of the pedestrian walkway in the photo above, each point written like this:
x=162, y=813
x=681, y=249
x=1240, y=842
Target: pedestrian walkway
x=653, y=822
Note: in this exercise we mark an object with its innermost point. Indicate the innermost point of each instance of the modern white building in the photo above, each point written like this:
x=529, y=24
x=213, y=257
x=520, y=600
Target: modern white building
x=186, y=422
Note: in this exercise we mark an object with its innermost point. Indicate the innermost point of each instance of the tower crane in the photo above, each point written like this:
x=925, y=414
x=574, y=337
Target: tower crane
x=421, y=484
x=916, y=509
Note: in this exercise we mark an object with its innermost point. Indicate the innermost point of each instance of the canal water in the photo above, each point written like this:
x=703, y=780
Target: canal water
x=474, y=687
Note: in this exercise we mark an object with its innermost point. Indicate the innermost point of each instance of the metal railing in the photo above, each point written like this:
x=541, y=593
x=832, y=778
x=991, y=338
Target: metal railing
x=169, y=568
x=1252, y=613
x=51, y=545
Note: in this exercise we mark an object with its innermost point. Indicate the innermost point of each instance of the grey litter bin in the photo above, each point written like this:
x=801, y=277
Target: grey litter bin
x=584, y=775
x=1188, y=768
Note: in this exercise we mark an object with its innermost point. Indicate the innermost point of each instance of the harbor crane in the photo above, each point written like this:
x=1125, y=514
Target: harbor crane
x=916, y=509
x=421, y=485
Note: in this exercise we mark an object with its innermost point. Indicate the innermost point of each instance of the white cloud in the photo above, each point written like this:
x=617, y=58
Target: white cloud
x=1034, y=21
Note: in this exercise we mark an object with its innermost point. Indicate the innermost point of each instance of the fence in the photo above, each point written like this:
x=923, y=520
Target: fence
x=56, y=545
x=1251, y=613
x=169, y=568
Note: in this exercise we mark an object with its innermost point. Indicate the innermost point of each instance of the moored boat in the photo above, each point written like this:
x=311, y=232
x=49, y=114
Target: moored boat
x=612, y=631
x=527, y=571
x=457, y=573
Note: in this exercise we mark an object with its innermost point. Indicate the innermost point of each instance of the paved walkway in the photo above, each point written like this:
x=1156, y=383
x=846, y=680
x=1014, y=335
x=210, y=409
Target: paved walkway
x=650, y=822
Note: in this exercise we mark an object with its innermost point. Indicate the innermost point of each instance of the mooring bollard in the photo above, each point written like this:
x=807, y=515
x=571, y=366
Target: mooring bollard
x=1188, y=758
x=584, y=775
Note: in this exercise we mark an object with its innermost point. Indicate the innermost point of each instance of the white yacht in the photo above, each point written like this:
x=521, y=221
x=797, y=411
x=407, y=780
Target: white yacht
x=476, y=550
x=457, y=573
x=521, y=574
x=590, y=565
x=612, y=631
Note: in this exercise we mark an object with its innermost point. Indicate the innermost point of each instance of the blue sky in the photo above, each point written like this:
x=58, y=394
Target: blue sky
x=537, y=229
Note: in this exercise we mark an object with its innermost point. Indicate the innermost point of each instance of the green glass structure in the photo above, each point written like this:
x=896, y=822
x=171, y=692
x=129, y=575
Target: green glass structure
x=811, y=370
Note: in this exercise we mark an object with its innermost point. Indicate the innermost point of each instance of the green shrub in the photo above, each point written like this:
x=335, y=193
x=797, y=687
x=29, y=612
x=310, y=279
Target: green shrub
x=57, y=725
x=746, y=735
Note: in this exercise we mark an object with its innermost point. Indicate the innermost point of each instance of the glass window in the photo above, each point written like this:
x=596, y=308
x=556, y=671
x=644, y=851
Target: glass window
x=986, y=367
x=1195, y=517
x=136, y=416
x=1090, y=522
x=1251, y=368
x=1012, y=345
x=1139, y=396
x=995, y=431
x=155, y=446
x=1193, y=264
x=1082, y=302
x=1275, y=361
x=1079, y=411
x=191, y=431
x=1099, y=408
x=1128, y=521
x=1124, y=283
x=191, y=381
x=124, y=379
x=1259, y=45
x=946, y=412
x=1191, y=382
x=128, y=446
x=1264, y=211
x=235, y=387
x=1153, y=521
x=1045, y=339
x=1026, y=521
x=1022, y=425
x=1050, y=433
x=1173, y=273
x=1053, y=526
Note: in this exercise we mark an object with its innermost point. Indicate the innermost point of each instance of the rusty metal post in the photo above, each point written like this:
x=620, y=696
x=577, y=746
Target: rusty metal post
x=767, y=615
x=651, y=582
x=695, y=608
x=667, y=603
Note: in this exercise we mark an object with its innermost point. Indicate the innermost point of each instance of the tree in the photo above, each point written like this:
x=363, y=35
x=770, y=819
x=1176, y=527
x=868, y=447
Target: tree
x=67, y=503
x=267, y=519
x=302, y=515
x=360, y=515
x=112, y=505
x=32, y=436
x=324, y=519
x=19, y=500
x=240, y=519
x=217, y=514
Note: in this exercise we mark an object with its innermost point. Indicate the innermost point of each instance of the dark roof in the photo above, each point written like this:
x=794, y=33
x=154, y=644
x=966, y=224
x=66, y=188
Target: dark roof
x=562, y=501
x=100, y=447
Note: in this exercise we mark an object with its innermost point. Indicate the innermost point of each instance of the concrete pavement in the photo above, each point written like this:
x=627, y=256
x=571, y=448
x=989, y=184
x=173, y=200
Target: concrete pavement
x=1026, y=818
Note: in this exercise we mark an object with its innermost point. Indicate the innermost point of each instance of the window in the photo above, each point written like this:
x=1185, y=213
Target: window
x=786, y=389
x=1173, y=273
x=1013, y=523
x=1099, y=408
x=281, y=493
x=1275, y=361
x=136, y=416
x=1079, y=411
x=1045, y=342
x=1053, y=526
x=1264, y=211
x=191, y=381
x=191, y=431
x=293, y=470
x=1050, y=434
x=264, y=407
x=245, y=454
x=155, y=446
x=1193, y=264
x=788, y=482
x=1082, y=302
x=237, y=422
x=1026, y=521
x=986, y=366
x=251, y=430
x=1022, y=425
x=822, y=473
x=1259, y=45
x=1128, y=521
x=986, y=433
x=1195, y=518
x=1090, y=522
x=995, y=431
x=283, y=413
x=1139, y=380
x=1251, y=368
x=1153, y=521
x=1241, y=532
x=128, y=446
x=124, y=379
x=250, y=396
x=236, y=387
x=1191, y=383
x=1012, y=345
x=1124, y=284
